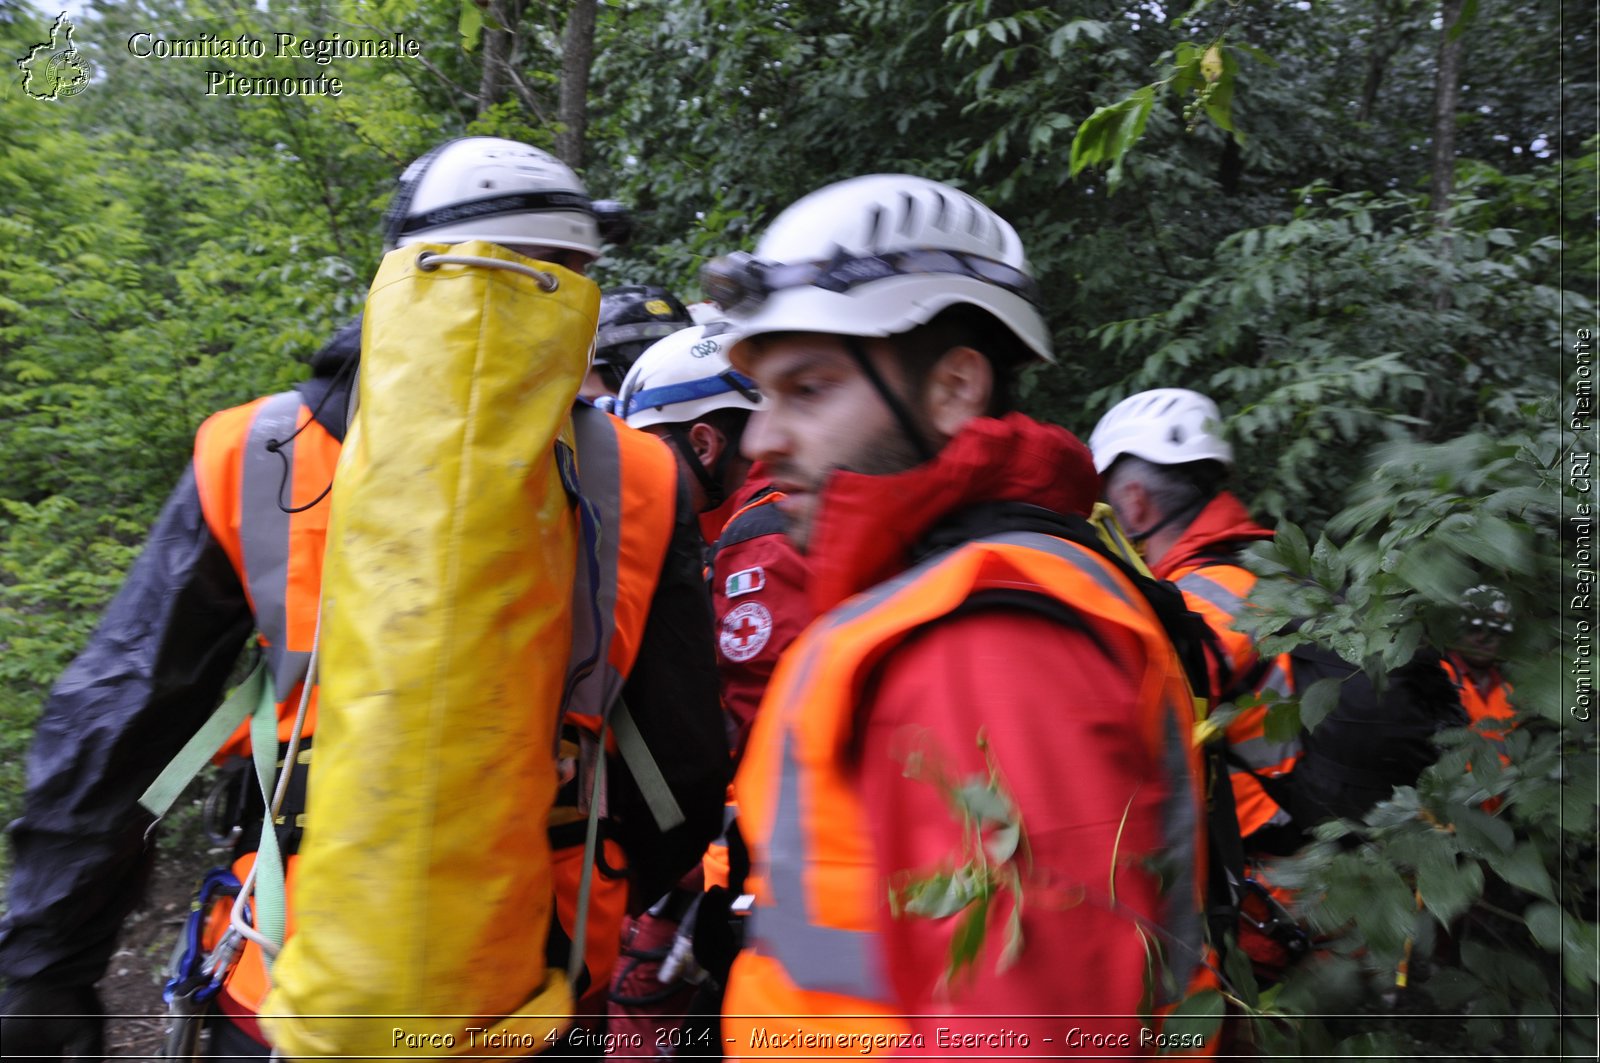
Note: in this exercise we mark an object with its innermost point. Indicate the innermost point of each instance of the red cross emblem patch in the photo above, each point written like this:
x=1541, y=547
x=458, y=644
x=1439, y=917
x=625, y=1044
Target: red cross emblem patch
x=745, y=630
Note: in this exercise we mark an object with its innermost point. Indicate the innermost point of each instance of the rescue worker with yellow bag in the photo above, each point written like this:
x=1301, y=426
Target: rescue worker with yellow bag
x=481, y=585
x=238, y=543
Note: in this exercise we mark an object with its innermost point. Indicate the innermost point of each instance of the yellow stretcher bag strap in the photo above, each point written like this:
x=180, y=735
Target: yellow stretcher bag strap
x=1110, y=531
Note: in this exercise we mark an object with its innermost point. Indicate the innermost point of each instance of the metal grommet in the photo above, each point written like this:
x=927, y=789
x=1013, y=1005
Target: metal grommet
x=549, y=282
x=426, y=263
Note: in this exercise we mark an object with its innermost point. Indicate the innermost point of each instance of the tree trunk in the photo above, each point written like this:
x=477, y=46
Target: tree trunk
x=1386, y=38
x=1447, y=91
x=500, y=18
x=572, y=109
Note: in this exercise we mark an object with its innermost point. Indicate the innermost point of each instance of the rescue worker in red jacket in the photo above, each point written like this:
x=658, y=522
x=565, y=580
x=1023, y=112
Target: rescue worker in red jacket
x=961, y=642
x=1163, y=461
x=684, y=390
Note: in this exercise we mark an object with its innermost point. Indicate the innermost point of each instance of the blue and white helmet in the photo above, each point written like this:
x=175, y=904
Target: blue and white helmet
x=684, y=377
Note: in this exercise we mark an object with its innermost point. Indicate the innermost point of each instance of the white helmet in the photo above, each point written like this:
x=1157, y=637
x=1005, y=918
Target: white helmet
x=684, y=377
x=878, y=256
x=1167, y=426
x=486, y=188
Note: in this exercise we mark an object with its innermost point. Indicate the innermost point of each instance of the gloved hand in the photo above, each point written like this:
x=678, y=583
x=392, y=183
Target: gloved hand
x=52, y=1022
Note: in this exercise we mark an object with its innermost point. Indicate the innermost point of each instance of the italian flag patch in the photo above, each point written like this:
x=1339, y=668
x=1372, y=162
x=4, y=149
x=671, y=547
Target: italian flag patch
x=747, y=581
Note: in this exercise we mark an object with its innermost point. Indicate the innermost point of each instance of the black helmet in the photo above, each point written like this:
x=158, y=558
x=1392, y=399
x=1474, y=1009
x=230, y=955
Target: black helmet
x=632, y=317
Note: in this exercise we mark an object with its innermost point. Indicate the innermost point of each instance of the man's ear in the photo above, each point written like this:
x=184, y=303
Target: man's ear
x=707, y=443
x=1131, y=501
x=958, y=389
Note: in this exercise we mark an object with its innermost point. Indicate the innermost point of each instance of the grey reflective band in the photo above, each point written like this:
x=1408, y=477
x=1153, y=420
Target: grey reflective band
x=612, y=335
x=1260, y=753
x=819, y=958
x=1209, y=590
x=600, y=475
x=1180, y=915
x=264, y=533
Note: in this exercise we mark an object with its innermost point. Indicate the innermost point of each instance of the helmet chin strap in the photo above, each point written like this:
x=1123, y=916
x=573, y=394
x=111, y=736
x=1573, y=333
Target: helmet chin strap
x=1190, y=509
x=908, y=424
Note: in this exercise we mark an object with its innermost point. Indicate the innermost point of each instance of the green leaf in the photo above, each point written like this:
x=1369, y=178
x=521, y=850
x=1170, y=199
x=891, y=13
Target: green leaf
x=983, y=803
x=1002, y=843
x=1321, y=698
x=1545, y=924
x=1108, y=133
x=1013, y=945
x=1198, y=1015
x=1290, y=541
x=1524, y=868
x=1481, y=834
x=1437, y=573
x=967, y=942
x=1447, y=889
x=470, y=25
x=1282, y=722
x=940, y=895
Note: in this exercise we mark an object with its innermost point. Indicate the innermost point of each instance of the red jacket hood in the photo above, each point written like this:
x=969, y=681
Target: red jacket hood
x=1222, y=523
x=866, y=525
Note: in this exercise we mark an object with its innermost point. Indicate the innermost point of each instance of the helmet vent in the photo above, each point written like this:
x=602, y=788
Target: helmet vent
x=1176, y=435
x=938, y=221
x=908, y=217
x=874, y=222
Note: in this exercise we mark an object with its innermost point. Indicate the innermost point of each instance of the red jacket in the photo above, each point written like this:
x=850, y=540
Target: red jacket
x=1202, y=564
x=1059, y=710
x=758, y=596
x=1222, y=528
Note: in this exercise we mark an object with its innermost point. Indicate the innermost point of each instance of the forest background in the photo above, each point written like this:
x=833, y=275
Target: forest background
x=1365, y=227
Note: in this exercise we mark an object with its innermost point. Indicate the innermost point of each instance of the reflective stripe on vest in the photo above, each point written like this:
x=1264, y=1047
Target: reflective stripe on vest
x=264, y=533
x=1204, y=587
x=825, y=957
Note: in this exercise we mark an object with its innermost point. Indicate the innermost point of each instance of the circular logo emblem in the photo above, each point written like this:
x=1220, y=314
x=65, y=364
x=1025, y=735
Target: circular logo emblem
x=68, y=71
x=705, y=349
x=745, y=631
x=658, y=308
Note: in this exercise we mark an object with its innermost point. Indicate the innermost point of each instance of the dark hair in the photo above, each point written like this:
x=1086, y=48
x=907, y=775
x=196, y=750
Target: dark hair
x=963, y=325
x=730, y=421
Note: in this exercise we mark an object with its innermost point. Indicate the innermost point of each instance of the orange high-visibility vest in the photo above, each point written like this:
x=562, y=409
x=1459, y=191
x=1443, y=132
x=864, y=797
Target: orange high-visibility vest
x=1489, y=712
x=248, y=494
x=631, y=479
x=1217, y=592
x=815, y=948
x=261, y=495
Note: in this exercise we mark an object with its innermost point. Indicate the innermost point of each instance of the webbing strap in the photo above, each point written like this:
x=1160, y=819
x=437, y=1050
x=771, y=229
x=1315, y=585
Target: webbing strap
x=269, y=902
x=247, y=697
x=644, y=769
x=591, y=844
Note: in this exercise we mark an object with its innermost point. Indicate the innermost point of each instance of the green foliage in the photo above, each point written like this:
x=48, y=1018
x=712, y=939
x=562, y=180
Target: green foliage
x=1326, y=335
x=992, y=862
x=163, y=255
